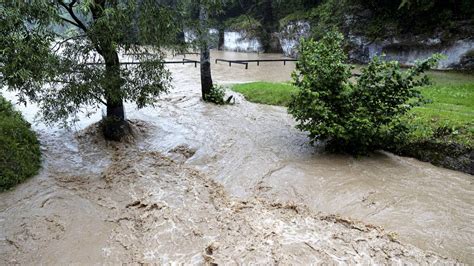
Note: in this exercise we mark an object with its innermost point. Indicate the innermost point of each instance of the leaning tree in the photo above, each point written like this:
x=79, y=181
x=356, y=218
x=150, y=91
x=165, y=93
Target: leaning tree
x=68, y=56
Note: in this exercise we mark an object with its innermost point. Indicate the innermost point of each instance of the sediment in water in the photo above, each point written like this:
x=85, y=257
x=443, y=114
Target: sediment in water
x=144, y=207
x=252, y=150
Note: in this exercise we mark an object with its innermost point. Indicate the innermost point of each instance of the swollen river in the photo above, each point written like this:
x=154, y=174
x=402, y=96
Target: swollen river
x=236, y=183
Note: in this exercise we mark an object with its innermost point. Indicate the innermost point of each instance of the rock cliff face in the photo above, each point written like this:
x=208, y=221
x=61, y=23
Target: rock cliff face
x=239, y=42
x=458, y=48
x=407, y=49
x=291, y=34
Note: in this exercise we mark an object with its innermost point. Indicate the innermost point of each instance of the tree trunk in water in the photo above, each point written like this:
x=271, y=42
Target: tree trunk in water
x=221, y=39
x=206, y=77
x=114, y=125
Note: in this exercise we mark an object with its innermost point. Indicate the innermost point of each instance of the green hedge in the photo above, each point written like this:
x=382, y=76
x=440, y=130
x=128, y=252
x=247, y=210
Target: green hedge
x=20, y=156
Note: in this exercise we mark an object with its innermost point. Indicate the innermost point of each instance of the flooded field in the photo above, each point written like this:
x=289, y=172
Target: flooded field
x=225, y=184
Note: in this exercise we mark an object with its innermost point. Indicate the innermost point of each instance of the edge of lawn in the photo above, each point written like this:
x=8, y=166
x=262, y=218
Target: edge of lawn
x=443, y=131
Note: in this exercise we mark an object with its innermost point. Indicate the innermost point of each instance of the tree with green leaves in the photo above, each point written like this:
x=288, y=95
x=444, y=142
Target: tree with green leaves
x=71, y=70
x=198, y=20
x=355, y=117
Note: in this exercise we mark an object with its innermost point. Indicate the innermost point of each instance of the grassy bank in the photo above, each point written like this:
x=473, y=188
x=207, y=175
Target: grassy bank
x=266, y=93
x=443, y=130
x=450, y=115
x=20, y=156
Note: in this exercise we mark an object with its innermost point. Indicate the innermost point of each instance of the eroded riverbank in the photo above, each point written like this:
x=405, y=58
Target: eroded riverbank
x=246, y=183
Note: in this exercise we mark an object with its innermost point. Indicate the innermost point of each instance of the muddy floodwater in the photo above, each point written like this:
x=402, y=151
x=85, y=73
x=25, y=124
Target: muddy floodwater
x=228, y=184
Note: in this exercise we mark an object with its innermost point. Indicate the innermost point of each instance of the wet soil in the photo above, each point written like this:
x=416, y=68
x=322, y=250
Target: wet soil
x=449, y=155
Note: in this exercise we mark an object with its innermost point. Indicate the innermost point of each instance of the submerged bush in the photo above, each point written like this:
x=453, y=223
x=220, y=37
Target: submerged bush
x=19, y=147
x=216, y=96
x=355, y=117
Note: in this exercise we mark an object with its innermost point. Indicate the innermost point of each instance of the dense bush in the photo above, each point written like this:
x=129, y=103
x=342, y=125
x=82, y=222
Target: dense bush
x=19, y=147
x=216, y=96
x=359, y=116
x=381, y=19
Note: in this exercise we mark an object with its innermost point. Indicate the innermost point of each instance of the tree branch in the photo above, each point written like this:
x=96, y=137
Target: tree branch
x=59, y=44
x=69, y=9
x=95, y=96
x=70, y=21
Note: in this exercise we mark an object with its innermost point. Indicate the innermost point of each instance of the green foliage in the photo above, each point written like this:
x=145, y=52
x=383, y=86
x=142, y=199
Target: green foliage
x=448, y=118
x=353, y=117
x=216, y=95
x=329, y=15
x=20, y=156
x=266, y=92
x=64, y=72
x=243, y=23
x=413, y=16
x=299, y=15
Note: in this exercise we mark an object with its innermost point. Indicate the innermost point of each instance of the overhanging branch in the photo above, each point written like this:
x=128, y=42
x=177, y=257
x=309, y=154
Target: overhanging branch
x=69, y=9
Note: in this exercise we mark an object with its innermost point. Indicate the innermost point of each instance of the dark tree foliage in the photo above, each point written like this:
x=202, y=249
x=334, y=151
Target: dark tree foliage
x=420, y=15
x=80, y=67
x=20, y=155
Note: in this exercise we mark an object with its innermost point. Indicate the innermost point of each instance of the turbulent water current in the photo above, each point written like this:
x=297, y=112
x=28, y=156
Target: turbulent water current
x=201, y=183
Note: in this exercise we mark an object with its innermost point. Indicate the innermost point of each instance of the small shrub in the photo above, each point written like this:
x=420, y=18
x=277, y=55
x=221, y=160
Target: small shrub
x=19, y=147
x=354, y=117
x=217, y=95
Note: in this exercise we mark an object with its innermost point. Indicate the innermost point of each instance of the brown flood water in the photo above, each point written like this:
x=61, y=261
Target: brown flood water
x=208, y=176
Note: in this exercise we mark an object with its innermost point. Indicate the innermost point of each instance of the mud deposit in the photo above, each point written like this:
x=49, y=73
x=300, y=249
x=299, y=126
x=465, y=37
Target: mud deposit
x=144, y=207
x=228, y=184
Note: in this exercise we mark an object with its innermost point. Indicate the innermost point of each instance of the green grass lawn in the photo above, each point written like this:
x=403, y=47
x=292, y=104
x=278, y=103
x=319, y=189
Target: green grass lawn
x=450, y=115
x=448, y=118
x=266, y=93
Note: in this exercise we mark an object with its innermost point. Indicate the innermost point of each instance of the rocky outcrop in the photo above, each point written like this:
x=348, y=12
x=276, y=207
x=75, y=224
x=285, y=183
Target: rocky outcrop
x=291, y=34
x=239, y=42
x=467, y=61
x=408, y=49
x=457, y=48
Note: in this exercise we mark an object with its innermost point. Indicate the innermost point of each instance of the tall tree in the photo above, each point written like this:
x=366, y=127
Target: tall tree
x=269, y=23
x=206, y=76
x=80, y=68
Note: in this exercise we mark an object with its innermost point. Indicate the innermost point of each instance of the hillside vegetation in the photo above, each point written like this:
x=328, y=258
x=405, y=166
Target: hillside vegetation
x=20, y=156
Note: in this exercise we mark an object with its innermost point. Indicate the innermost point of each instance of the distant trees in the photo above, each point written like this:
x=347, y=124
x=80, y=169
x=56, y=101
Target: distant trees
x=80, y=68
x=383, y=18
x=262, y=18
